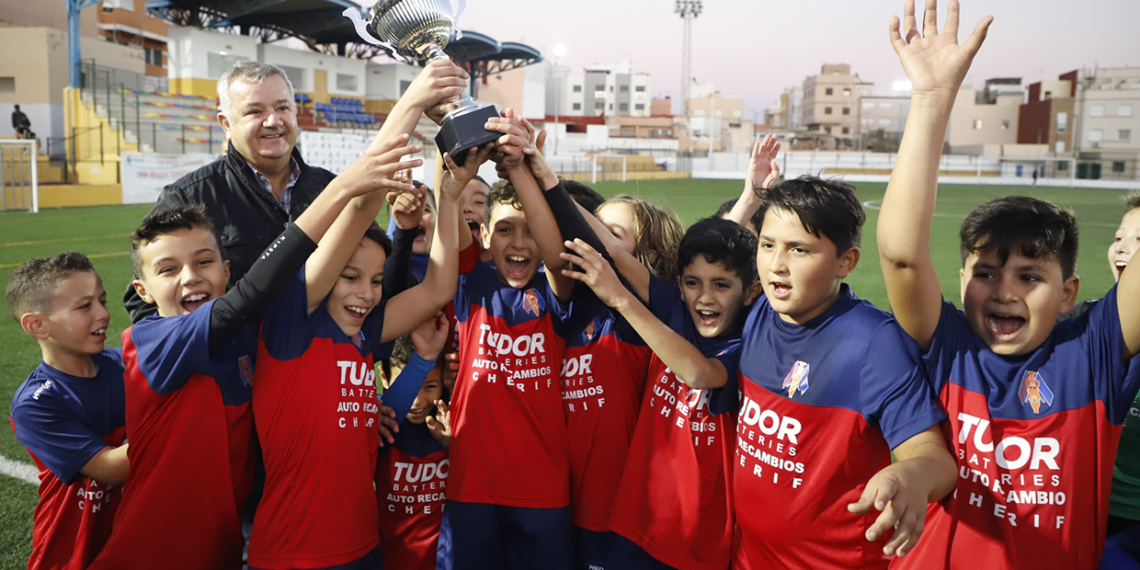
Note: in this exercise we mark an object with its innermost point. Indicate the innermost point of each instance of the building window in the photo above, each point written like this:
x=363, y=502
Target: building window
x=827, y=110
x=846, y=130
x=611, y=88
x=654, y=133
x=884, y=105
x=846, y=92
x=629, y=132
x=828, y=129
x=639, y=107
x=153, y=57
x=623, y=107
x=404, y=85
x=716, y=113
x=868, y=106
x=884, y=122
x=1096, y=135
x=296, y=76
x=1096, y=111
x=847, y=110
x=1005, y=125
x=611, y=106
x=599, y=89
x=1062, y=166
x=1124, y=134
x=7, y=84
x=345, y=82
x=577, y=106
x=977, y=124
x=624, y=89
x=1118, y=166
x=828, y=91
x=1062, y=123
x=1124, y=110
x=577, y=89
x=698, y=112
x=600, y=106
x=639, y=89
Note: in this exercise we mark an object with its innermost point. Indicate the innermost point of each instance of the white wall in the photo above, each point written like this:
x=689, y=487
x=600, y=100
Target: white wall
x=382, y=81
x=189, y=49
x=309, y=61
x=534, y=91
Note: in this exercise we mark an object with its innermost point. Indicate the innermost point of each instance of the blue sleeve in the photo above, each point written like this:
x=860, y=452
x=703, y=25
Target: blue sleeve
x=468, y=288
x=894, y=392
x=727, y=397
x=952, y=335
x=55, y=435
x=664, y=298
x=170, y=349
x=1104, y=341
x=402, y=393
x=286, y=331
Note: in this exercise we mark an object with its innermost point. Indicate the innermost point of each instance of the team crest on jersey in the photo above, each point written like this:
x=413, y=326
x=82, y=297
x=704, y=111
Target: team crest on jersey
x=1035, y=391
x=245, y=367
x=532, y=303
x=591, y=329
x=797, y=378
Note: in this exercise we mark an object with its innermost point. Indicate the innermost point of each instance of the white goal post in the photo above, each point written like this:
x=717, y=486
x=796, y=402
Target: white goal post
x=19, y=181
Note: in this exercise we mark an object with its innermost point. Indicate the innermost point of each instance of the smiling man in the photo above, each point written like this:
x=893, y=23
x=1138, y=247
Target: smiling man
x=261, y=183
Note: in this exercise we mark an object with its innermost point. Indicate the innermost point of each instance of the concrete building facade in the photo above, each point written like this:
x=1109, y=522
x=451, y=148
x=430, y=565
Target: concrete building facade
x=980, y=118
x=1109, y=123
x=831, y=102
x=600, y=90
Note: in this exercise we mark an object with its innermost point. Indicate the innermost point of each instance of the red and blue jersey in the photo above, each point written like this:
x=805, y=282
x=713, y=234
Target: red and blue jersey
x=63, y=421
x=508, y=443
x=821, y=406
x=317, y=420
x=673, y=499
x=411, y=485
x=1035, y=437
x=603, y=378
x=191, y=446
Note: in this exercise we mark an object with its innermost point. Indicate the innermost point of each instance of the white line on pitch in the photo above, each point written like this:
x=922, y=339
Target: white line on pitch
x=19, y=470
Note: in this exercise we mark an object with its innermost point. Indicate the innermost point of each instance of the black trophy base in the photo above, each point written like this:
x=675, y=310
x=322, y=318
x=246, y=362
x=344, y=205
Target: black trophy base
x=461, y=133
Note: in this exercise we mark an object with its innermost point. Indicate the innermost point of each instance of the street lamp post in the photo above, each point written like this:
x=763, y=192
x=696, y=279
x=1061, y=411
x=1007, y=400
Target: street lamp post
x=559, y=53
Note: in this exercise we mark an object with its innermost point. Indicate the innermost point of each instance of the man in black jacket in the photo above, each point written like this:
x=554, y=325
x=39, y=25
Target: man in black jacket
x=262, y=183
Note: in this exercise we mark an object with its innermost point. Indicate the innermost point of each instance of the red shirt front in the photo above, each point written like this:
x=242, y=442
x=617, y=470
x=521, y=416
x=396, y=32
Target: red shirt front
x=317, y=419
x=603, y=377
x=191, y=447
x=674, y=497
x=509, y=442
x=410, y=492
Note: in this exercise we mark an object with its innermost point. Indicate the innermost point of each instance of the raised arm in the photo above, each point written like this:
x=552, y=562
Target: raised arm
x=441, y=82
x=763, y=173
x=515, y=145
x=375, y=168
x=693, y=368
x=412, y=307
x=936, y=66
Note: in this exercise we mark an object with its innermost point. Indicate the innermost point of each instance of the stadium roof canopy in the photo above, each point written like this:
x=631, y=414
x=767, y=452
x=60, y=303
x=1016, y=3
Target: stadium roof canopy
x=321, y=26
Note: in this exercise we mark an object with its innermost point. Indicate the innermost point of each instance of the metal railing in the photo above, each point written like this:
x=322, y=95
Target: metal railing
x=19, y=184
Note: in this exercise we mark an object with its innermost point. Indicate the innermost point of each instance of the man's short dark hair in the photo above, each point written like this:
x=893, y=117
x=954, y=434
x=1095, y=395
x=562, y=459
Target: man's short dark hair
x=164, y=222
x=1032, y=227
x=503, y=192
x=725, y=208
x=826, y=208
x=720, y=241
x=31, y=288
x=585, y=196
x=1132, y=201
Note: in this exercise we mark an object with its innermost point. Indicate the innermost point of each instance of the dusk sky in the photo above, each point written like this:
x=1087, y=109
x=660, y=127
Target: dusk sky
x=755, y=48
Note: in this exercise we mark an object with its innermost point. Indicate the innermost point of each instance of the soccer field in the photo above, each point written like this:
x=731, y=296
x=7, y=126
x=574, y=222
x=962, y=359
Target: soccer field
x=101, y=233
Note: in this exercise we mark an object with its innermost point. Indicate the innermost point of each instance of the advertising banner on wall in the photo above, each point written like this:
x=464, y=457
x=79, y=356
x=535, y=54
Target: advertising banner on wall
x=144, y=175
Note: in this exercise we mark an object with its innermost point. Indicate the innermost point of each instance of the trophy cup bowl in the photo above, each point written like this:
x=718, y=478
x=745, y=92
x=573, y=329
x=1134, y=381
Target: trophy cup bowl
x=419, y=30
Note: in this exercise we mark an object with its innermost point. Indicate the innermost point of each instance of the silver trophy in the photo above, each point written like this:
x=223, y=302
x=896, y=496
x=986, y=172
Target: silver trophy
x=419, y=30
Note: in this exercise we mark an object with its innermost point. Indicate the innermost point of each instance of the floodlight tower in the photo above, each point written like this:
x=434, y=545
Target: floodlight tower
x=689, y=10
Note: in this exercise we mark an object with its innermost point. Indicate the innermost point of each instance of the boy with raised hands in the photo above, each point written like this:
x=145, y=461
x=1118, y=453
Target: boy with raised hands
x=69, y=413
x=315, y=389
x=508, y=488
x=189, y=374
x=1035, y=406
x=830, y=387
